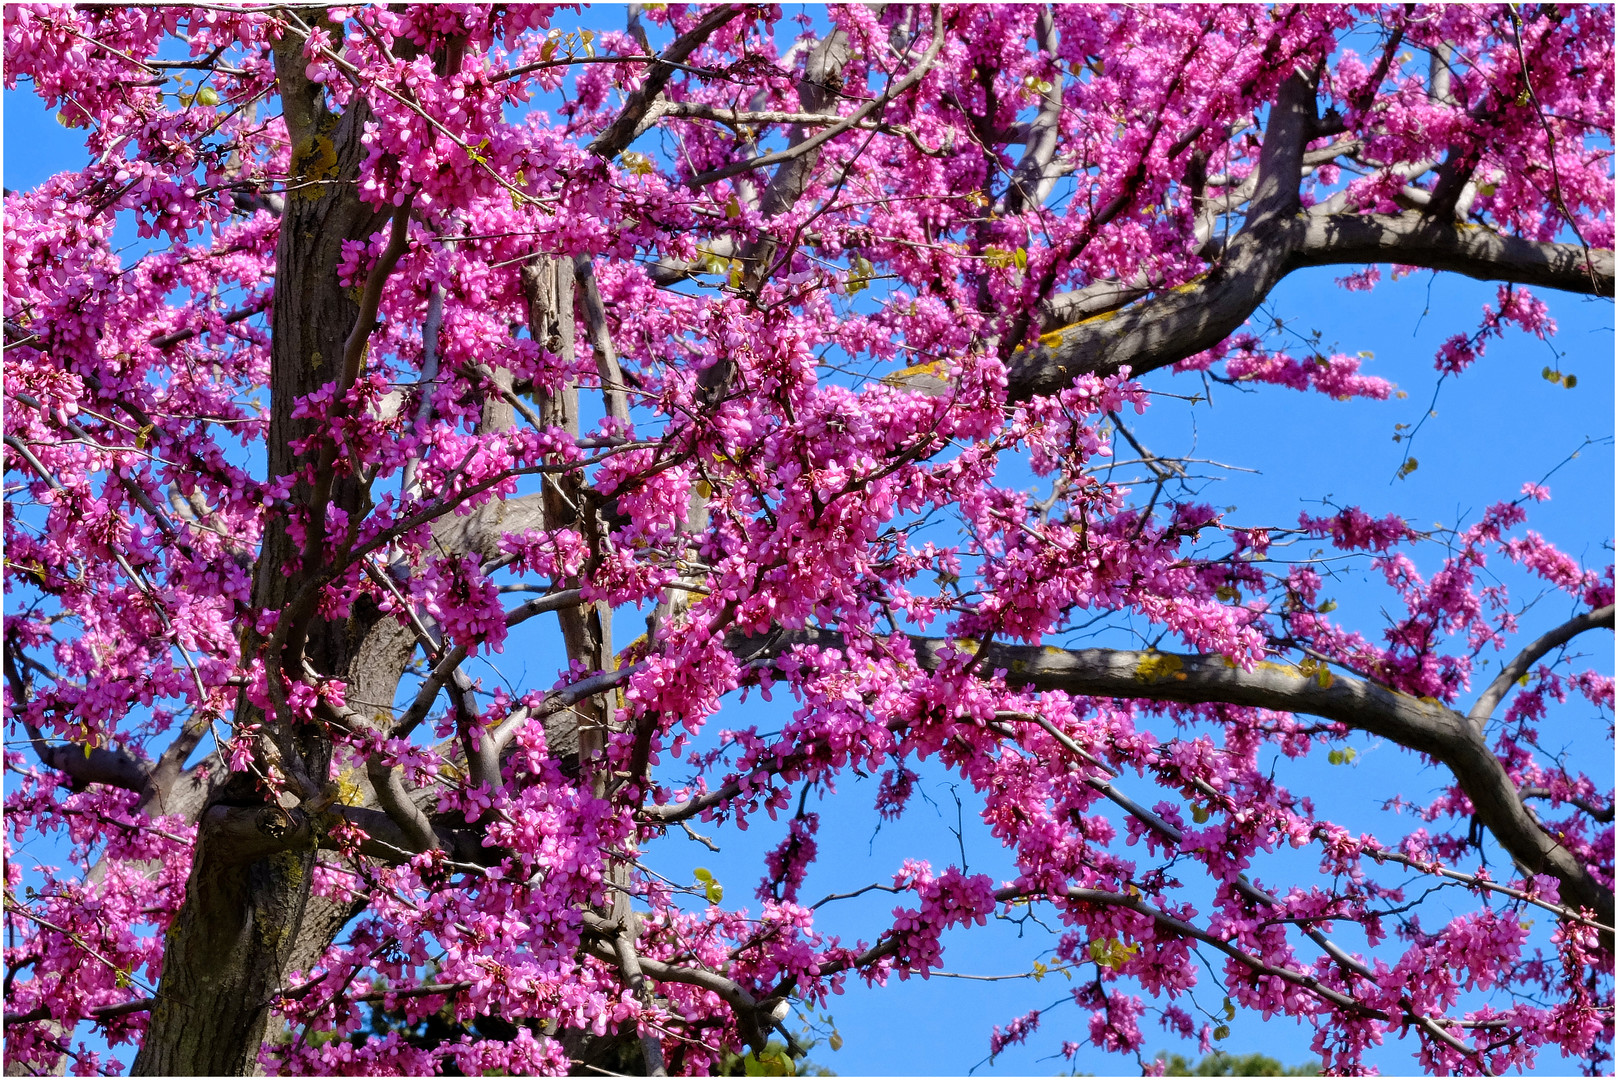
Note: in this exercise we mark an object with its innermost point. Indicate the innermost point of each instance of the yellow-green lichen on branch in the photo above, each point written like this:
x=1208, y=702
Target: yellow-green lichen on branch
x=1156, y=666
x=932, y=369
x=314, y=161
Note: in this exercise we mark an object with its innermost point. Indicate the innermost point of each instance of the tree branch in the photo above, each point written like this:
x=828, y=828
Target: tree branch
x=1274, y=241
x=1421, y=725
x=1490, y=699
x=813, y=142
x=611, y=142
x=169, y=340
x=100, y=1012
x=741, y=1001
x=1413, y=239
x=1029, y=181
x=606, y=357
x=1197, y=316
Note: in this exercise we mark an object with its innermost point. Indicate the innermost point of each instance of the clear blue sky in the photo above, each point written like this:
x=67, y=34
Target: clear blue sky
x=1497, y=426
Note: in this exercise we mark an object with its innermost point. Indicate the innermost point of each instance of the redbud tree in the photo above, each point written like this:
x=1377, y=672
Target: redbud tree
x=368, y=340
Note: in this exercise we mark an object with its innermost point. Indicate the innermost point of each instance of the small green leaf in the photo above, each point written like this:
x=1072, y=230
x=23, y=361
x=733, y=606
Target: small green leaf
x=207, y=96
x=1111, y=953
x=860, y=272
x=836, y=1040
x=1001, y=258
x=1199, y=813
x=702, y=874
x=715, y=891
x=1410, y=466
x=1335, y=757
x=1222, y=1031
x=1570, y=381
x=1329, y=605
x=639, y=164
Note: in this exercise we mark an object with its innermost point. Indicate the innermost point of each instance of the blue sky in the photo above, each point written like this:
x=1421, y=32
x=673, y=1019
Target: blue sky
x=1495, y=427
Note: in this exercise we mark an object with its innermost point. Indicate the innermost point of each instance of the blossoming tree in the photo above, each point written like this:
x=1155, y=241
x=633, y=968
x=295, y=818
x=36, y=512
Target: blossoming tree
x=441, y=322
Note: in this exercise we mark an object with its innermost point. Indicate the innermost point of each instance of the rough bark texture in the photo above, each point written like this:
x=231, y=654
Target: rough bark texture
x=232, y=943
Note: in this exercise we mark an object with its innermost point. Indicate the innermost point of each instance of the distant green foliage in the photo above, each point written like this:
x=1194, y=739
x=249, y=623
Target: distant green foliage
x=1220, y=1063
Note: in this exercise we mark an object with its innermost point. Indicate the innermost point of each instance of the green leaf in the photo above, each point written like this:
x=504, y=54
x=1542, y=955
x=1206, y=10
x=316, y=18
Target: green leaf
x=207, y=96
x=715, y=891
x=1329, y=605
x=860, y=273
x=1199, y=813
x=1222, y=1031
x=1335, y=757
x=1002, y=258
x=1111, y=953
x=1570, y=381
x=702, y=874
x=836, y=1040
x=1410, y=466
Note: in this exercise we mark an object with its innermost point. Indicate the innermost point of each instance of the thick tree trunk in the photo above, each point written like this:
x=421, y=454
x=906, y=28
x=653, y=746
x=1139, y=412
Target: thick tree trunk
x=230, y=948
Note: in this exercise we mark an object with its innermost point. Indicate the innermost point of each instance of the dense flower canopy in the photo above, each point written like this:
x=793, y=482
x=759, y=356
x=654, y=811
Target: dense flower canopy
x=444, y=324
